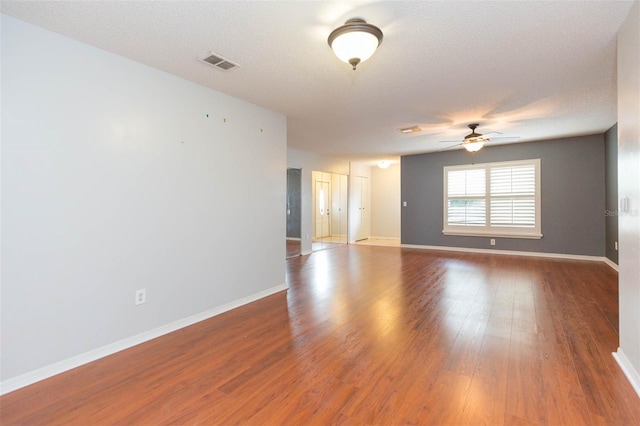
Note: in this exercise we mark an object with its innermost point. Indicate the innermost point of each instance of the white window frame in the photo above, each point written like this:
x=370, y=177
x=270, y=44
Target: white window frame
x=492, y=231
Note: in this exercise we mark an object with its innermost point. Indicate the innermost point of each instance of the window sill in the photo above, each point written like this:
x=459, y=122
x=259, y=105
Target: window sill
x=493, y=234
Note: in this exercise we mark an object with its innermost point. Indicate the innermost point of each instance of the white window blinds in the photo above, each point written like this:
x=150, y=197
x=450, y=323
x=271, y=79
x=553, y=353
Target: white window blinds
x=513, y=196
x=501, y=199
x=467, y=205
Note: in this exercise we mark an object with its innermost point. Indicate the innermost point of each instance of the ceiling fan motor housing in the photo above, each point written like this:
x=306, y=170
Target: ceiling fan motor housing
x=473, y=133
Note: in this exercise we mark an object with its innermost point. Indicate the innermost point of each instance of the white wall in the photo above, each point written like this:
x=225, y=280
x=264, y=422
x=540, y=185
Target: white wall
x=309, y=162
x=114, y=179
x=385, y=202
x=629, y=188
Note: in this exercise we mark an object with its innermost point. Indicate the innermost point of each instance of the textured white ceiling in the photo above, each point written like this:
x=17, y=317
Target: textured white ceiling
x=534, y=69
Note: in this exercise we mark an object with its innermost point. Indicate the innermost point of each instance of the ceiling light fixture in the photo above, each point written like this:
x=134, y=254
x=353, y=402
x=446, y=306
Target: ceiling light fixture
x=474, y=142
x=384, y=164
x=473, y=146
x=355, y=41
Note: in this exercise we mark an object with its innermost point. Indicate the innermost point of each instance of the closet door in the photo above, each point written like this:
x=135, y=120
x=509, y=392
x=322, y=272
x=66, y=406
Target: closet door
x=361, y=204
x=323, y=212
x=338, y=208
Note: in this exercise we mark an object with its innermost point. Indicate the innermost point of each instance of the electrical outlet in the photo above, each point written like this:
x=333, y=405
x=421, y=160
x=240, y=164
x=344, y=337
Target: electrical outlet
x=492, y=242
x=141, y=296
x=616, y=245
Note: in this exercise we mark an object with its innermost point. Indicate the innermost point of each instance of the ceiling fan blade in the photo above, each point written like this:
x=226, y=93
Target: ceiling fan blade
x=449, y=147
x=505, y=139
x=488, y=137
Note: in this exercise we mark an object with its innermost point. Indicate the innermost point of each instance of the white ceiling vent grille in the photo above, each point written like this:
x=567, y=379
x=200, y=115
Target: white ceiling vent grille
x=218, y=61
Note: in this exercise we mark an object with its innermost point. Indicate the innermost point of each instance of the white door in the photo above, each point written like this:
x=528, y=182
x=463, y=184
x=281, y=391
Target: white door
x=323, y=208
x=361, y=204
x=339, y=208
x=364, y=212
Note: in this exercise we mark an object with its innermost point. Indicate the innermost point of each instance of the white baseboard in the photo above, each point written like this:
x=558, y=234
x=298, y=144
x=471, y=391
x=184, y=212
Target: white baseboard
x=511, y=253
x=93, y=355
x=611, y=263
x=628, y=370
x=294, y=239
x=385, y=238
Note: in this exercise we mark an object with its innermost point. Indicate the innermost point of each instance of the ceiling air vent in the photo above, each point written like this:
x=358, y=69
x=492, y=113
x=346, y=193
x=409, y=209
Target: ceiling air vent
x=218, y=61
x=413, y=129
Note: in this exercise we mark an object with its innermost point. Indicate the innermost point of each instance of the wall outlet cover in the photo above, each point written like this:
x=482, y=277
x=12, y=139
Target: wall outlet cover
x=141, y=296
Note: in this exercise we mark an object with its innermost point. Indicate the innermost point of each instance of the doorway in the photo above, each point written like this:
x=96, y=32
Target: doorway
x=329, y=210
x=294, y=212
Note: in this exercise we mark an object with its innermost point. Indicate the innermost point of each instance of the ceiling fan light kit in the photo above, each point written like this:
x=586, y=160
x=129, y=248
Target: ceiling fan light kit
x=355, y=41
x=473, y=146
x=474, y=142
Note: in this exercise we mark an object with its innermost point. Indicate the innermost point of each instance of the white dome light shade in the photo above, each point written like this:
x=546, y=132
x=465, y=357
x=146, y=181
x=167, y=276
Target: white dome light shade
x=473, y=146
x=355, y=41
x=354, y=45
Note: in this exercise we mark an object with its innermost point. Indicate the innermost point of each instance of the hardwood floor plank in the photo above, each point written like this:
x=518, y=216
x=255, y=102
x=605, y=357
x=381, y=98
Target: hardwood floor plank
x=465, y=352
x=525, y=388
x=442, y=403
x=372, y=335
x=487, y=393
x=501, y=318
x=566, y=402
x=511, y=420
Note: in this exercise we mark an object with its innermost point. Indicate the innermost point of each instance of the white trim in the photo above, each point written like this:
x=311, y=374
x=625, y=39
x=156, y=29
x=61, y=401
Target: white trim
x=611, y=263
x=509, y=252
x=341, y=236
x=294, y=239
x=494, y=234
x=60, y=367
x=385, y=238
x=628, y=370
x=487, y=229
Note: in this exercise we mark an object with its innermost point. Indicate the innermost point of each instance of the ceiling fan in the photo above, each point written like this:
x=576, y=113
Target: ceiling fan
x=474, y=142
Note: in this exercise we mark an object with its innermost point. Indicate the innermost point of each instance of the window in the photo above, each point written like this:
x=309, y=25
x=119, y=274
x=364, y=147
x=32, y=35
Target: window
x=493, y=199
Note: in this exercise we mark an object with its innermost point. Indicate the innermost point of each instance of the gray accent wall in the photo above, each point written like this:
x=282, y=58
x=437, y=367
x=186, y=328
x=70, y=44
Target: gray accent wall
x=572, y=196
x=294, y=199
x=611, y=192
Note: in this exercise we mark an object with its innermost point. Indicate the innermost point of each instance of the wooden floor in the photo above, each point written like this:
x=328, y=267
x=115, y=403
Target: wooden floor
x=294, y=248
x=372, y=335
